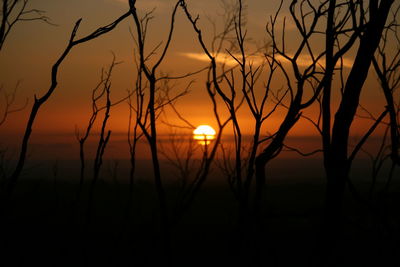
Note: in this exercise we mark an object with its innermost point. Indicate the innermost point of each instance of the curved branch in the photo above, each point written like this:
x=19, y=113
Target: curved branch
x=38, y=102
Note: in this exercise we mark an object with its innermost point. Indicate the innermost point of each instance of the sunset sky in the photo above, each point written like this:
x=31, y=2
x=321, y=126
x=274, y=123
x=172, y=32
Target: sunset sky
x=235, y=132
x=33, y=47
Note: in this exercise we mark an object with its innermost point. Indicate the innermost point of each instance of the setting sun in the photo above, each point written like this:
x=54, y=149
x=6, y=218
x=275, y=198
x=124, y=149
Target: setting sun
x=204, y=134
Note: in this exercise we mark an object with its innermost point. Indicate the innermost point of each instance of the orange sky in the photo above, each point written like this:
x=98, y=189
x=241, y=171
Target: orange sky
x=33, y=47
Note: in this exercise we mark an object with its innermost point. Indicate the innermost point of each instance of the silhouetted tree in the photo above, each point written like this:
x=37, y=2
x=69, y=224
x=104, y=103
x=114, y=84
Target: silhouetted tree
x=193, y=179
x=151, y=111
x=12, y=12
x=386, y=64
x=241, y=173
x=134, y=135
x=336, y=132
x=387, y=67
x=98, y=93
x=8, y=107
x=104, y=137
x=38, y=102
x=344, y=26
x=8, y=103
x=15, y=11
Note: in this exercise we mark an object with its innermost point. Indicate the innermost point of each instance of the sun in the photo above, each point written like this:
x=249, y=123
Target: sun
x=204, y=134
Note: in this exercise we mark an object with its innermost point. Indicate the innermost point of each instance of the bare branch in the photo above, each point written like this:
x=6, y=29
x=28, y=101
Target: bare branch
x=14, y=11
x=304, y=154
x=38, y=102
x=9, y=103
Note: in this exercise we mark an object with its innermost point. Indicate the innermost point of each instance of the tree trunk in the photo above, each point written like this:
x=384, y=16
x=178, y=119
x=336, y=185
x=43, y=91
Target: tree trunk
x=328, y=243
x=336, y=153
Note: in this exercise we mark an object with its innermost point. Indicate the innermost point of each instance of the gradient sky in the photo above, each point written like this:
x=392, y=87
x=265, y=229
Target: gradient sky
x=33, y=47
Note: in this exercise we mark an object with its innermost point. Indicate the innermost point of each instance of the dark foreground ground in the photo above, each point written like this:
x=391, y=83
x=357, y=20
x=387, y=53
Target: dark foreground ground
x=47, y=226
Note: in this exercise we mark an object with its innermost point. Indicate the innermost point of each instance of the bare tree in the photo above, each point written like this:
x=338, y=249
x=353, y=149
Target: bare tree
x=193, y=179
x=336, y=132
x=134, y=135
x=151, y=110
x=98, y=93
x=305, y=78
x=38, y=102
x=240, y=168
x=215, y=80
x=9, y=106
x=385, y=161
x=104, y=137
x=14, y=11
x=344, y=24
x=387, y=67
